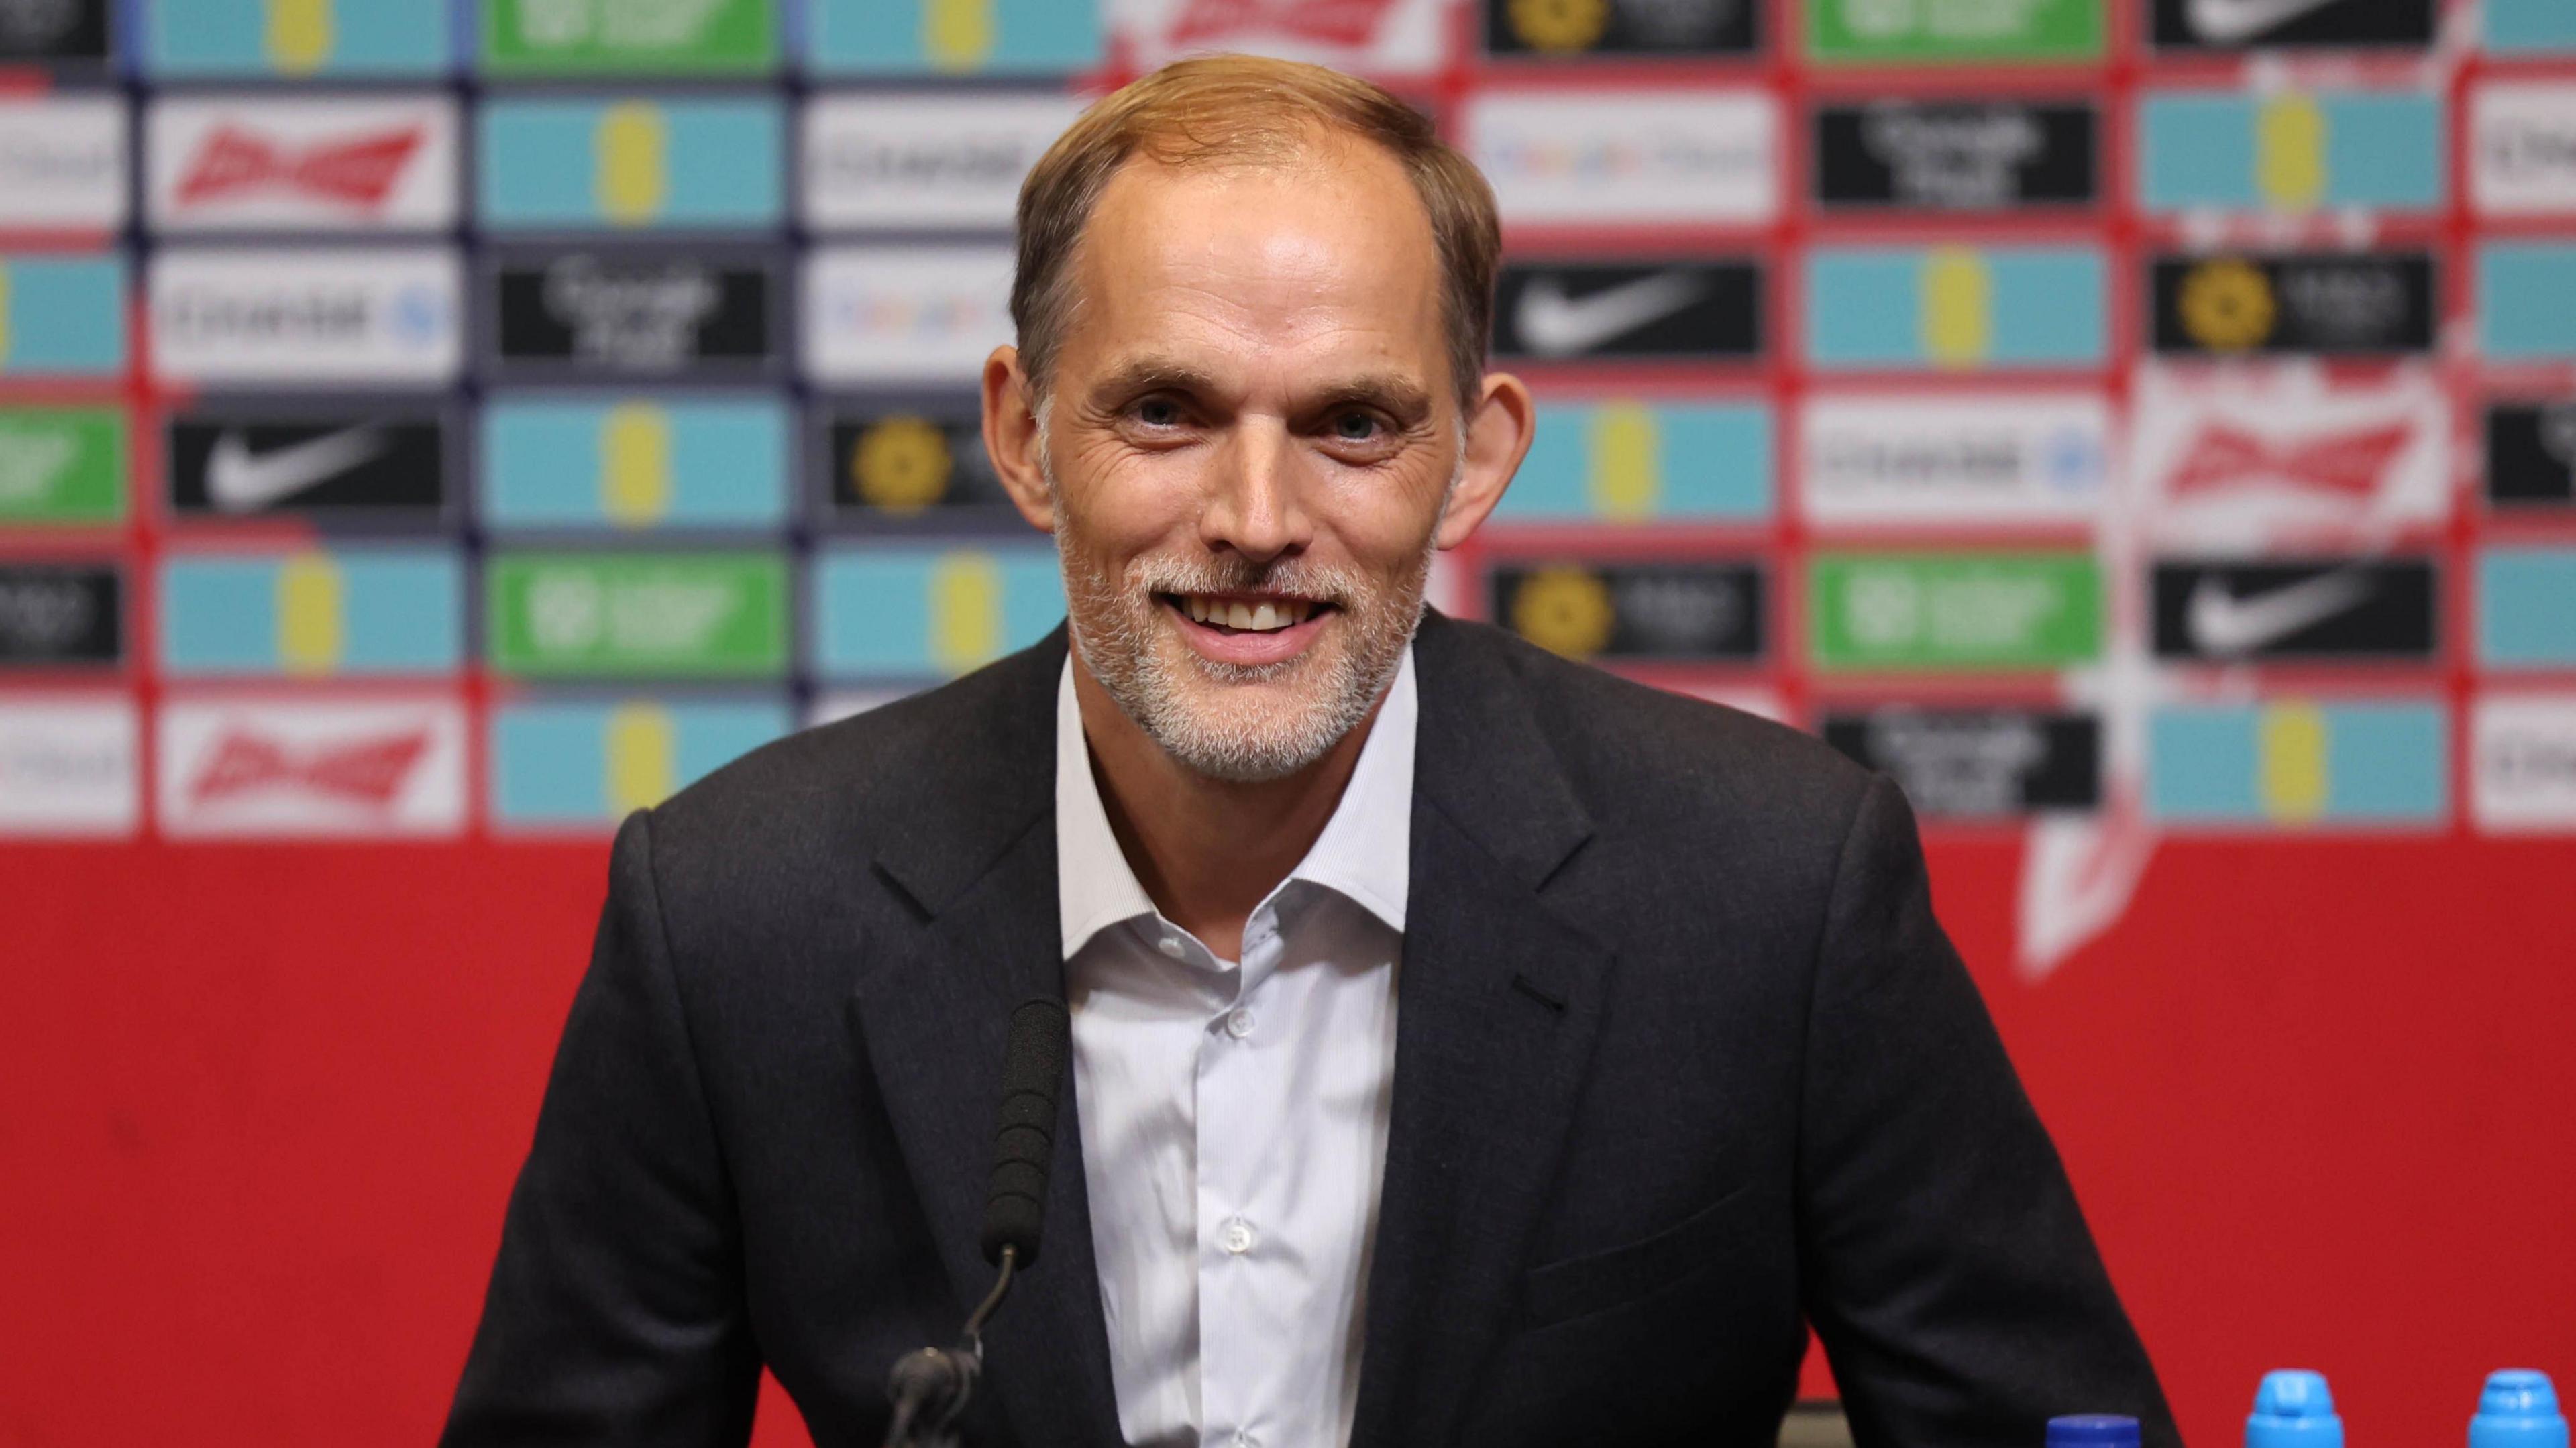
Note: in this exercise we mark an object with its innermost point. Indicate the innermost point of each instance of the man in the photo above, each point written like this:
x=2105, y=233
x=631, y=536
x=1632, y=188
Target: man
x=1469, y=1047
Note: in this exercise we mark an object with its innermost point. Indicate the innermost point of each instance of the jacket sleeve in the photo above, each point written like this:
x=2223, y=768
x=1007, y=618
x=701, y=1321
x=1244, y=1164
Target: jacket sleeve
x=615, y=1312
x=1944, y=1262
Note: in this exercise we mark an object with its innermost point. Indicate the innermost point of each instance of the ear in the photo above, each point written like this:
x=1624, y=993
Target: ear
x=1498, y=437
x=1011, y=437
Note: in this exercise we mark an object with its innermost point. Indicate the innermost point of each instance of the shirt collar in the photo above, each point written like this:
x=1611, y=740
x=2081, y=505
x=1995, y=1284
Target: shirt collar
x=1365, y=852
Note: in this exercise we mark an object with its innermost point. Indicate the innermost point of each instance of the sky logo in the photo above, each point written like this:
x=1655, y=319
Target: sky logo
x=62, y=316
x=954, y=37
x=2298, y=764
x=911, y=612
x=2290, y=151
x=296, y=38
x=582, y=763
x=635, y=464
x=2527, y=607
x=1639, y=462
x=667, y=163
x=1952, y=308
x=312, y=614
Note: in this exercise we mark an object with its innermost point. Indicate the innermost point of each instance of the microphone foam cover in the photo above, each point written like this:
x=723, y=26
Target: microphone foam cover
x=1024, y=1136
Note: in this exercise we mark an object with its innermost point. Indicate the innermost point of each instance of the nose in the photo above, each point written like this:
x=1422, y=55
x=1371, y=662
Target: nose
x=1255, y=503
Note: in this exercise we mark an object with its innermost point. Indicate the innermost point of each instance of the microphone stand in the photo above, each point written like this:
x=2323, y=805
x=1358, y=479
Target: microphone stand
x=930, y=1387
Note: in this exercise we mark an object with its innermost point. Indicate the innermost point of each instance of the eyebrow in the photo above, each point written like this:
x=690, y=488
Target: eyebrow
x=1392, y=392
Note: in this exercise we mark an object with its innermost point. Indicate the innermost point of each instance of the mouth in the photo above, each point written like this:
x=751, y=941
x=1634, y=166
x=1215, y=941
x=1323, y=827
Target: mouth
x=1247, y=628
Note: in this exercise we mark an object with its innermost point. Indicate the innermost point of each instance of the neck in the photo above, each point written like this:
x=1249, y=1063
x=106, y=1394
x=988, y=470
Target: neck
x=1207, y=850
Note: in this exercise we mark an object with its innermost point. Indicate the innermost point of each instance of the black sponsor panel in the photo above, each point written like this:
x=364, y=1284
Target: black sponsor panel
x=894, y=464
x=1550, y=29
x=1955, y=155
x=1698, y=311
x=2370, y=608
x=2531, y=454
x=353, y=462
x=2330, y=305
x=2244, y=24
x=634, y=313
x=53, y=31
x=1641, y=611
x=54, y=614
x=1978, y=763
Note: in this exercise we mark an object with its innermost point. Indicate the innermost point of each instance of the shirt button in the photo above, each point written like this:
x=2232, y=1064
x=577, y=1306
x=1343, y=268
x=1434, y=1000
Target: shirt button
x=1238, y=1237
x=1171, y=945
x=1238, y=1024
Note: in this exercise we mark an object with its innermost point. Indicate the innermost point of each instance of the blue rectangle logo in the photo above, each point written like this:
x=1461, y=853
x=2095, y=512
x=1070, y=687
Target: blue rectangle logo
x=1641, y=462
x=635, y=464
x=2296, y=764
x=2527, y=608
x=298, y=38
x=62, y=316
x=559, y=764
x=954, y=37
x=2527, y=300
x=1955, y=308
x=667, y=162
x=313, y=614
x=2290, y=151
x=927, y=612
x=2530, y=25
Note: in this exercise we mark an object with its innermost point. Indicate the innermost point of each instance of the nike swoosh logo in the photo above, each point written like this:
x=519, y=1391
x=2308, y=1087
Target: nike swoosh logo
x=241, y=481
x=1553, y=324
x=2225, y=22
x=2220, y=622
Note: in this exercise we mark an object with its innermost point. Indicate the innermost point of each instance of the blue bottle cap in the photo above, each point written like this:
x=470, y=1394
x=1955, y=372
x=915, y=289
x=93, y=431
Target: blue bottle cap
x=2519, y=1409
x=2294, y=1409
x=2093, y=1430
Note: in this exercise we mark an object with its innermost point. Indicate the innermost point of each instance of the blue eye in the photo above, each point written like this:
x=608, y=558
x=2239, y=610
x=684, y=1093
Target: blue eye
x=1158, y=412
x=1355, y=427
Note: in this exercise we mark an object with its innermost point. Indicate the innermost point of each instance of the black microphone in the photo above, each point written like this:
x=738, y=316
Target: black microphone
x=930, y=1387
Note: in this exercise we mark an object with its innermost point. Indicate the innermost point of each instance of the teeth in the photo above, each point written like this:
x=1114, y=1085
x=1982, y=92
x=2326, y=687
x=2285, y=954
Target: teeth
x=1238, y=615
x=1264, y=617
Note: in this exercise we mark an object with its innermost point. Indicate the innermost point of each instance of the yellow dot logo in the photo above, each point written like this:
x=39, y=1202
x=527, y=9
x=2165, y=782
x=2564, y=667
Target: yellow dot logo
x=2226, y=305
x=631, y=173
x=2290, y=152
x=901, y=465
x=1958, y=302
x=300, y=35
x=2293, y=779
x=1560, y=26
x=639, y=757
x=635, y=464
x=1564, y=609
x=957, y=34
x=312, y=618
x=1626, y=480
x=965, y=611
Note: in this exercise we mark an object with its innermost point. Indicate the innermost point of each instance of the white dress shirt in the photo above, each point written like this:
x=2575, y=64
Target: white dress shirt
x=1233, y=1115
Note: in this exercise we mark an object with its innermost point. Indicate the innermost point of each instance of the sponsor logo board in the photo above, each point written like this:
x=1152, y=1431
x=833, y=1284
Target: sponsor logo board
x=568, y=163
x=594, y=37
x=1978, y=763
x=2232, y=460
x=2291, y=150
x=1955, y=308
x=1968, y=155
x=2299, y=764
x=1557, y=29
x=2531, y=454
x=300, y=765
x=1954, y=611
x=2522, y=762
x=2012, y=458
x=2243, y=24
x=62, y=466
x=1626, y=157
x=1639, y=612
x=343, y=462
x=1373, y=37
x=2528, y=26
x=306, y=316
x=912, y=612
x=1627, y=461
x=312, y=613
x=68, y=766
x=2363, y=608
x=62, y=159
x=2522, y=148
x=295, y=39
x=951, y=37
x=54, y=31
x=634, y=463
x=240, y=162
x=2314, y=304
x=2526, y=300
x=637, y=615
x=634, y=313
x=897, y=462
x=2527, y=607
x=905, y=314
x=587, y=763
x=61, y=615
x=62, y=316
x=1679, y=311
x=1931, y=32
x=888, y=163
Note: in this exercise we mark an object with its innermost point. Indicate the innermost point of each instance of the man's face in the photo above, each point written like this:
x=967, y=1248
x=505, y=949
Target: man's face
x=1247, y=448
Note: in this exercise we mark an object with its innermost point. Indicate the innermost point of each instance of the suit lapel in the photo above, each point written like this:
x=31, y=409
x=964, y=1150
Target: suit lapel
x=1497, y=1003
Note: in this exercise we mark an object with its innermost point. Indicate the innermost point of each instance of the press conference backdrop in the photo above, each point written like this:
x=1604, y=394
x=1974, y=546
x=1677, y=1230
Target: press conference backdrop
x=2144, y=428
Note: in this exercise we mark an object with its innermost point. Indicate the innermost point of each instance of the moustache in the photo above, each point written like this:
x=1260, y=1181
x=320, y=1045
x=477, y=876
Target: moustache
x=1232, y=574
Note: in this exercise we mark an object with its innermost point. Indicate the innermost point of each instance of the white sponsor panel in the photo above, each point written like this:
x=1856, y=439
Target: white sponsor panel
x=1585, y=157
x=2247, y=458
x=905, y=314
x=68, y=766
x=1374, y=37
x=234, y=162
x=62, y=162
x=890, y=162
x=295, y=315
x=297, y=765
x=1973, y=461
x=2522, y=762
x=2522, y=148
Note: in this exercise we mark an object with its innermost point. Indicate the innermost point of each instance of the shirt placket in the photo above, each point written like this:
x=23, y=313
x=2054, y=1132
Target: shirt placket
x=1236, y=1123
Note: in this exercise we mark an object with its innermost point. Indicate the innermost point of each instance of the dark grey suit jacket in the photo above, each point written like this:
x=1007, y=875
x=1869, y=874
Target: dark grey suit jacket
x=1683, y=1063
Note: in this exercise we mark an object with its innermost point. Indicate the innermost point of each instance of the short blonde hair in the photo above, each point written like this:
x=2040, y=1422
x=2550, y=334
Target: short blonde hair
x=1250, y=110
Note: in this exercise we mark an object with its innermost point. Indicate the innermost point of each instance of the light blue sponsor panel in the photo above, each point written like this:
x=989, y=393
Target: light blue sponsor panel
x=576, y=163
x=558, y=763
x=373, y=611
x=2203, y=149
x=2527, y=607
x=2530, y=25
x=62, y=316
x=716, y=464
x=2527, y=299
x=1964, y=308
x=2351, y=764
x=297, y=38
x=953, y=37
x=1644, y=462
x=929, y=612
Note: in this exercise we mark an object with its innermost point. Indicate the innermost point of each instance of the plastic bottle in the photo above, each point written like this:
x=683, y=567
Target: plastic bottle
x=2293, y=1409
x=2519, y=1409
x=2093, y=1430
